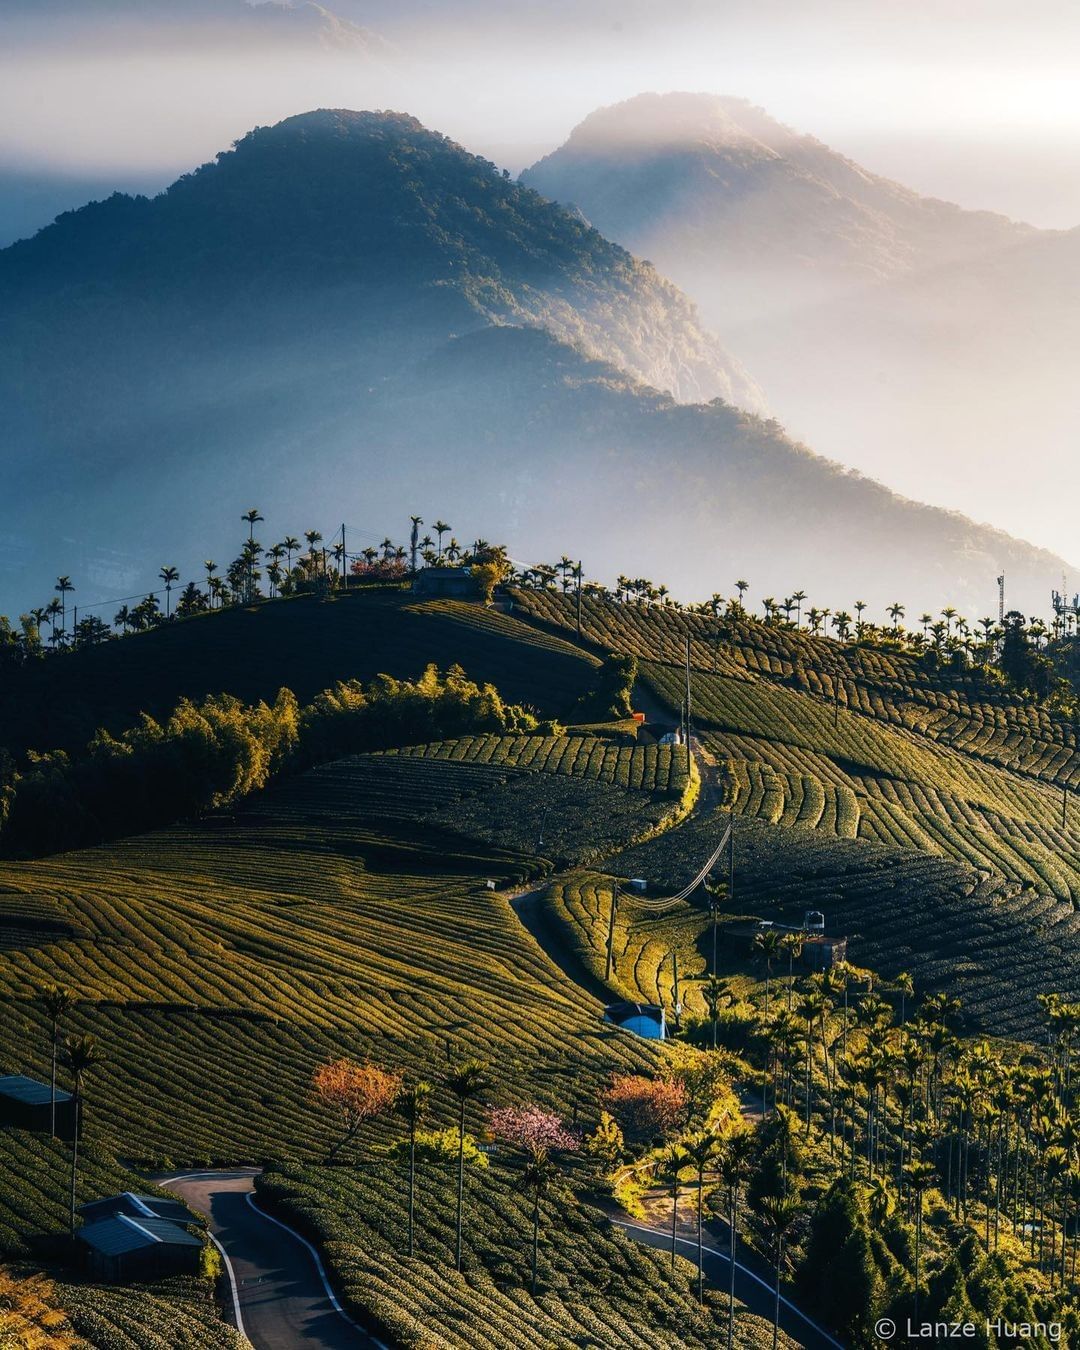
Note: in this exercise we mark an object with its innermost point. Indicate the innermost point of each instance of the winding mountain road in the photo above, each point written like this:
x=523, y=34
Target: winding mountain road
x=751, y=1289
x=281, y=1299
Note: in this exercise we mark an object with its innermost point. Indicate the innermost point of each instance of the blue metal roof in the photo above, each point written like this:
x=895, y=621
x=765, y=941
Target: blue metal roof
x=122, y=1233
x=17, y=1088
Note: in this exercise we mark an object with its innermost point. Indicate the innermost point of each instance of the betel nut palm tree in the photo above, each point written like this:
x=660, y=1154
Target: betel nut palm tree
x=465, y=1082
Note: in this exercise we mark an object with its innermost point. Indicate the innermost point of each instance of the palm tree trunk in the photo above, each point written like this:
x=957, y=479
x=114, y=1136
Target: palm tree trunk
x=674, y=1221
x=52, y=1087
x=535, y=1237
x=460, y=1182
x=776, y=1306
x=733, y=1207
x=412, y=1181
x=700, y=1255
x=76, y=1103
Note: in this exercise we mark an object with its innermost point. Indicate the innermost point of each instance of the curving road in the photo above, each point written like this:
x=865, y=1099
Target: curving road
x=280, y=1297
x=750, y=1288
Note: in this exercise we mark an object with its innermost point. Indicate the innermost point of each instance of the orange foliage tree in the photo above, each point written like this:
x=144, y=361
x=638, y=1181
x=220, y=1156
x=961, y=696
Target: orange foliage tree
x=645, y=1108
x=354, y=1093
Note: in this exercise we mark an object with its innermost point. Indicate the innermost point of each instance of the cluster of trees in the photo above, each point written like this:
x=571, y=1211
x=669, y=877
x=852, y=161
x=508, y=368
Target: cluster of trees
x=1021, y=650
x=293, y=566
x=356, y=1093
x=694, y=1097
x=911, y=1120
x=210, y=754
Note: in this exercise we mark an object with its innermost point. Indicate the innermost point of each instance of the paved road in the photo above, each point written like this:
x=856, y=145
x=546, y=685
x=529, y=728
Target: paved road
x=750, y=1288
x=277, y=1283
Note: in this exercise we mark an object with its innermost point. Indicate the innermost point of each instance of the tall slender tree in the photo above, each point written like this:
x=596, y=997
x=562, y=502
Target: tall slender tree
x=168, y=576
x=414, y=542
x=465, y=1083
x=733, y=1166
x=675, y=1161
x=57, y=1003
x=80, y=1056
x=704, y=1151
x=413, y=1104
x=778, y=1212
x=64, y=587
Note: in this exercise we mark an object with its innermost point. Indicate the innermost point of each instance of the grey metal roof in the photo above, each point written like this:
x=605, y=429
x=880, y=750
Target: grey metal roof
x=137, y=1206
x=18, y=1088
x=122, y=1233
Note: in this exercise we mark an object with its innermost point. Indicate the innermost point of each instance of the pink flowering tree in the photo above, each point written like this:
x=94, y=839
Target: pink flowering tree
x=531, y=1128
x=538, y=1133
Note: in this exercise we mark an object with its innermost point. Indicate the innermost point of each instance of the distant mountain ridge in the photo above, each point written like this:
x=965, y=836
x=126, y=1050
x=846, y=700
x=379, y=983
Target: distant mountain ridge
x=348, y=313
x=302, y=22
x=716, y=171
x=917, y=341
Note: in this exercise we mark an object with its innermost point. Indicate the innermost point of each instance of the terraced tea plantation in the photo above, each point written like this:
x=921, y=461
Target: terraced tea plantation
x=218, y=963
x=959, y=709
x=994, y=944
x=594, y=1282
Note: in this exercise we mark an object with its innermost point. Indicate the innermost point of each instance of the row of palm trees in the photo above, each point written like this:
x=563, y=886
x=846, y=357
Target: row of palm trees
x=949, y=635
x=903, y=1102
x=287, y=567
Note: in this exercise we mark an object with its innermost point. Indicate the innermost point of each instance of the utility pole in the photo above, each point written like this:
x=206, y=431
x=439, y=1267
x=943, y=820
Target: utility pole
x=688, y=706
x=344, y=556
x=731, y=858
x=579, y=574
x=611, y=931
x=714, y=905
x=1001, y=598
x=677, y=1005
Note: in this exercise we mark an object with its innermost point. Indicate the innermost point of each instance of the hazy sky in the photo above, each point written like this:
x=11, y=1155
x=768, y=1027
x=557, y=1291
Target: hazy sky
x=975, y=101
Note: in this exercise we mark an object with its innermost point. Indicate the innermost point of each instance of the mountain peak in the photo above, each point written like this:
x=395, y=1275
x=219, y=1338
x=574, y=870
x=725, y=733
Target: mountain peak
x=653, y=121
x=343, y=122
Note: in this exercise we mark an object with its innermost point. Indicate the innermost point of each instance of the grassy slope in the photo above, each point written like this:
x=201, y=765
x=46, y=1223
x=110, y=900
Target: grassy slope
x=303, y=643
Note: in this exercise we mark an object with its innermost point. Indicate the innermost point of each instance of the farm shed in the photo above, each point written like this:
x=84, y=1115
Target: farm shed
x=123, y=1248
x=450, y=581
x=643, y=1019
x=137, y=1207
x=25, y=1103
x=822, y=953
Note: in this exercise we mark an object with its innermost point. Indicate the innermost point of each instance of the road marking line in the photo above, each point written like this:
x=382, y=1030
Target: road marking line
x=232, y=1285
x=237, y=1314
x=319, y=1267
x=769, y=1288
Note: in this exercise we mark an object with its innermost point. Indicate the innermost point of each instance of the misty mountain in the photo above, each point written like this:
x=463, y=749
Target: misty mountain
x=299, y=22
x=349, y=317
x=904, y=335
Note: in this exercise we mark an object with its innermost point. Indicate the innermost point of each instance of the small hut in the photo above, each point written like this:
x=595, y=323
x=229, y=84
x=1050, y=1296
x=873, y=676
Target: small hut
x=27, y=1104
